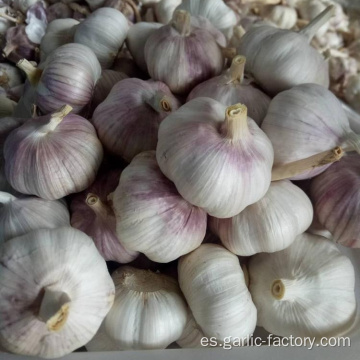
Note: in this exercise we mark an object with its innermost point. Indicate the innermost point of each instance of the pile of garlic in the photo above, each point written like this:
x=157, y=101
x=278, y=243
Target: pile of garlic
x=176, y=169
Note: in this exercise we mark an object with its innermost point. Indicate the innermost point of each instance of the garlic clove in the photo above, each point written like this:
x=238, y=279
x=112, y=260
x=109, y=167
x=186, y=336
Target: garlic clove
x=285, y=17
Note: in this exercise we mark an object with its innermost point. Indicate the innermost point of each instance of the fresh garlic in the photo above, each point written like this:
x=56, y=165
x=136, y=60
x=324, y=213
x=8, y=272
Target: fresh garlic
x=269, y=225
x=149, y=311
x=23, y=5
x=304, y=121
x=104, y=32
x=311, y=274
x=352, y=92
x=10, y=76
x=19, y=216
x=151, y=216
x=330, y=40
x=164, y=10
x=68, y=76
x=217, y=157
x=181, y=55
x=309, y=10
x=192, y=334
x=53, y=156
x=101, y=342
x=58, y=11
x=336, y=197
x=136, y=40
x=36, y=21
x=214, y=286
x=137, y=123
x=129, y=8
x=7, y=107
x=231, y=88
x=341, y=68
x=59, y=32
x=280, y=59
x=52, y=300
x=92, y=213
x=284, y=17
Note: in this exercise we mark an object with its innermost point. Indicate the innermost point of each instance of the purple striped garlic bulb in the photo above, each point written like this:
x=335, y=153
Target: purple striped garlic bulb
x=68, y=76
x=92, y=213
x=336, y=198
x=131, y=128
x=182, y=55
x=231, y=88
x=151, y=216
x=217, y=156
x=53, y=156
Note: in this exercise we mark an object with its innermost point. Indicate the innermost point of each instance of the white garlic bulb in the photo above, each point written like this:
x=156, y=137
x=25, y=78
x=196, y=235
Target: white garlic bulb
x=352, y=92
x=52, y=300
x=284, y=17
x=149, y=311
x=311, y=274
x=151, y=215
x=192, y=334
x=164, y=10
x=270, y=224
x=10, y=76
x=53, y=156
x=214, y=286
x=217, y=156
x=19, y=216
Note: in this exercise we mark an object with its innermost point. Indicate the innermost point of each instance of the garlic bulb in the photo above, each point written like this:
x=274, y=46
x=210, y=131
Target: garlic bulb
x=304, y=121
x=217, y=157
x=352, y=92
x=23, y=5
x=285, y=17
x=68, y=76
x=58, y=11
x=137, y=123
x=52, y=300
x=136, y=40
x=164, y=10
x=341, y=68
x=219, y=14
x=182, y=55
x=7, y=107
x=270, y=224
x=213, y=276
x=66, y=143
x=5, y=24
x=317, y=229
x=92, y=213
x=101, y=342
x=336, y=197
x=231, y=88
x=10, y=76
x=311, y=274
x=151, y=216
x=280, y=59
x=18, y=216
x=192, y=334
x=104, y=32
x=129, y=8
x=149, y=311
x=59, y=32
x=36, y=21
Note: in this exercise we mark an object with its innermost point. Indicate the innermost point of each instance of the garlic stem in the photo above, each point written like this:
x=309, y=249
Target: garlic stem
x=236, y=125
x=33, y=74
x=237, y=69
x=8, y=49
x=312, y=28
x=229, y=53
x=56, y=119
x=279, y=289
x=181, y=21
x=95, y=203
x=6, y=197
x=54, y=309
x=16, y=20
x=297, y=167
x=160, y=102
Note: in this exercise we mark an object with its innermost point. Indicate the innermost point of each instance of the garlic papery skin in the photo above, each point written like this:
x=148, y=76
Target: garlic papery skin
x=271, y=224
x=280, y=59
x=92, y=213
x=352, y=92
x=10, y=76
x=231, y=88
x=53, y=156
x=149, y=311
x=304, y=121
x=104, y=32
x=52, y=300
x=192, y=334
x=151, y=216
x=101, y=342
x=181, y=55
x=68, y=76
x=213, y=276
x=59, y=32
x=19, y=216
x=217, y=156
x=36, y=21
x=336, y=198
x=164, y=10
x=136, y=40
x=218, y=13
x=285, y=17
x=132, y=128
x=311, y=274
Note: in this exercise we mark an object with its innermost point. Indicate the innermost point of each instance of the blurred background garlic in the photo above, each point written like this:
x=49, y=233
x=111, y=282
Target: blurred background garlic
x=149, y=311
x=270, y=224
x=7, y=107
x=283, y=16
x=213, y=276
x=192, y=334
x=151, y=216
x=137, y=123
x=311, y=274
x=164, y=10
x=10, y=76
x=352, y=92
x=53, y=155
x=217, y=156
x=52, y=300
x=92, y=213
x=18, y=216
